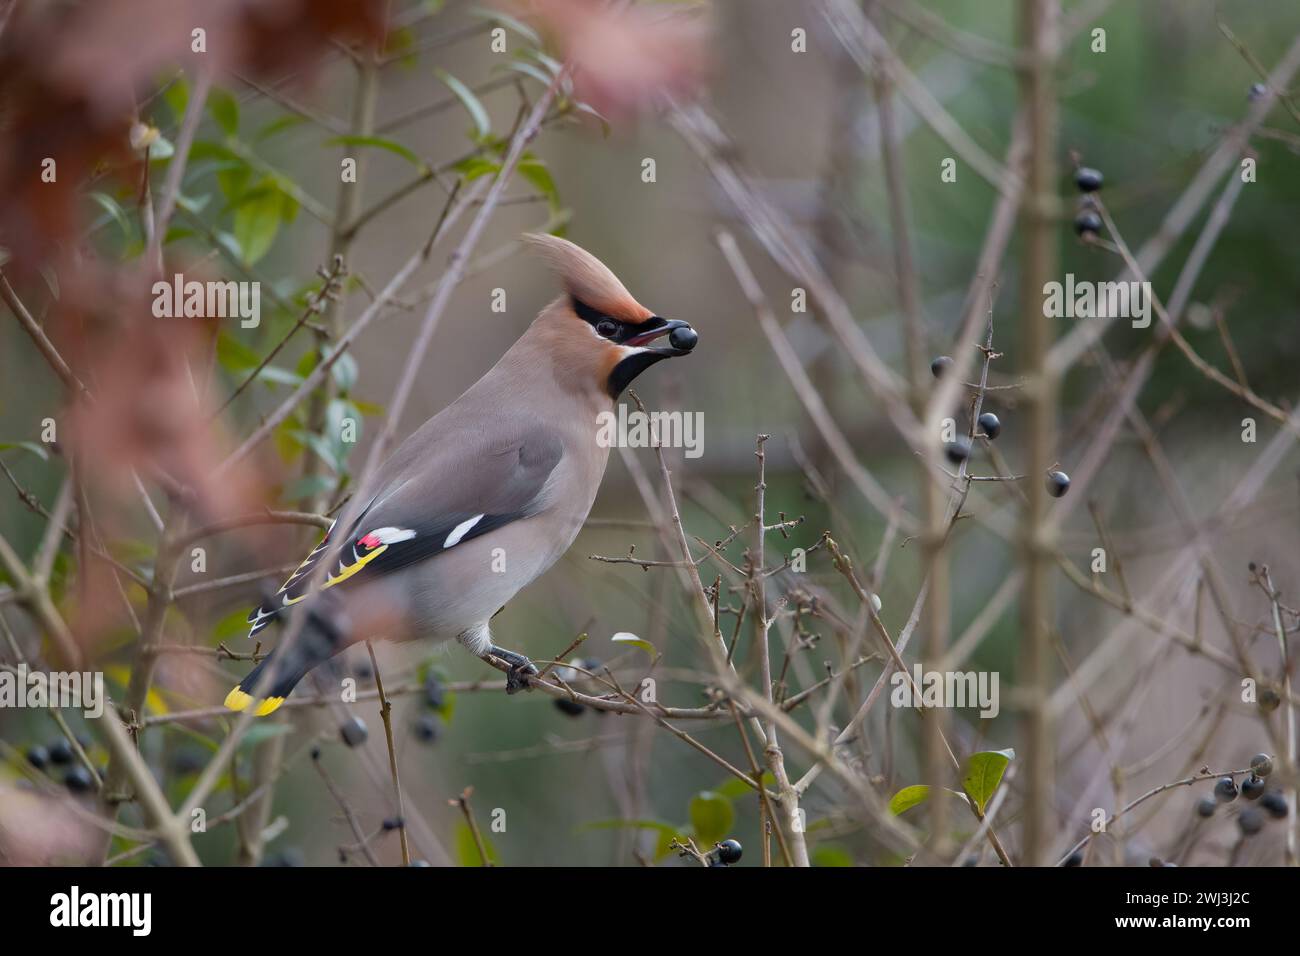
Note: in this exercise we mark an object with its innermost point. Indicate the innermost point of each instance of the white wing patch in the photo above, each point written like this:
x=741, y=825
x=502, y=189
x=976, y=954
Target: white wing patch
x=460, y=531
x=392, y=535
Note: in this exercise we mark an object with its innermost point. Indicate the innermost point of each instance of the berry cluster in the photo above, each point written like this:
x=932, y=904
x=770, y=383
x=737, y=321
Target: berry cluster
x=59, y=754
x=1087, y=223
x=1250, y=819
x=989, y=425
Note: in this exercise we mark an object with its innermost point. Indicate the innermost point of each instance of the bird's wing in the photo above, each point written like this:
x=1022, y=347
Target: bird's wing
x=439, y=496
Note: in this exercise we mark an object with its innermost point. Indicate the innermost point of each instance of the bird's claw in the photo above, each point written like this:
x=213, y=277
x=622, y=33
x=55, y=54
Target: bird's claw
x=520, y=672
x=520, y=676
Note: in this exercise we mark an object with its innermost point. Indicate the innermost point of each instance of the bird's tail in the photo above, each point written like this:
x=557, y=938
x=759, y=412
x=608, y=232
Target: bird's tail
x=267, y=685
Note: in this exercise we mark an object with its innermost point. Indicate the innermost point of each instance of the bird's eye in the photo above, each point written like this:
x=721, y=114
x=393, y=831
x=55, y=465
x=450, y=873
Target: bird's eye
x=607, y=328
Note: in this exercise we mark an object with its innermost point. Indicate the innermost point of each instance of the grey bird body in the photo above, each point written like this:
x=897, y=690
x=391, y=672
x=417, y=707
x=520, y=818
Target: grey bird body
x=483, y=497
x=533, y=453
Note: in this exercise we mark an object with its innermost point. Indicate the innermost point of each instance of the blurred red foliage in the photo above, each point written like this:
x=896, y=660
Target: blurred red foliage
x=71, y=75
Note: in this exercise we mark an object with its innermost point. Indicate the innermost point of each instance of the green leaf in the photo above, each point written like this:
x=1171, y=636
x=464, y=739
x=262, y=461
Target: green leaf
x=279, y=376
x=711, y=817
x=592, y=111
x=336, y=413
x=234, y=356
x=207, y=149
x=551, y=64
x=467, y=850
x=160, y=149
x=472, y=104
x=29, y=446
x=225, y=110
x=289, y=204
x=277, y=126
x=528, y=69
x=509, y=22
x=733, y=788
x=380, y=142
x=472, y=167
x=539, y=177
x=192, y=205
x=262, y=732
x=234, y=624
x=307, y=363
x=257, y=220
x=626, y=637
x=233, y=179
x=288, y=446
x=908, y=797
x=322, y=446
x=110, y=206
x=448, y=708
x=666, y=831
x=344, y=371
x=984, y=772
x=830, y=855
x=177, y=97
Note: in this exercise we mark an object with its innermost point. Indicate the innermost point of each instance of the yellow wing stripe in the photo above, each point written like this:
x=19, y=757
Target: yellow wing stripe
x=347, y=571
x=344, y=572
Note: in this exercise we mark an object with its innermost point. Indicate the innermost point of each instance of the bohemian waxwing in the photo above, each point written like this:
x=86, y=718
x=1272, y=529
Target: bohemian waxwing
x=484, y=496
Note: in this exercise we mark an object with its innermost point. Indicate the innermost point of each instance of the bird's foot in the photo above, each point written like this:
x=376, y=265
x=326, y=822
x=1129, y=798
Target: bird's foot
x=521, y=669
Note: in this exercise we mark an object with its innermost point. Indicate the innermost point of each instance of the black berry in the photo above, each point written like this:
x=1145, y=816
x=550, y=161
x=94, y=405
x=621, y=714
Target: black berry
x=393, y=823
x=683, y=339
x=1274, y=805
x=353, y=731
x=78, y=779
x=1088, y=180
x=1058, y=483
x=426, y=729
x=435, y=695
x=729, y=852
x=1269, y=700
x=940, y=366
x=1252, y=787
x=1257, y=91
x=363, y=669
x=957, y=451
x=1261, y=764
x=60, y=751
x=38, y=756
x=1074, y=859
x=1225, y=791
x=1205, y=807
x=990, y=424
x=571, y=707
x=1087, y=223
x=1250, y=820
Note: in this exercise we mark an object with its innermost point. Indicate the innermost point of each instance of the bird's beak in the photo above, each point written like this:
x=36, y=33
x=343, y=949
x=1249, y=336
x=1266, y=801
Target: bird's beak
x=681, y=337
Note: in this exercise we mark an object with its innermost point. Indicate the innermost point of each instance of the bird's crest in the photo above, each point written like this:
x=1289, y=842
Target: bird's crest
x=587, y=279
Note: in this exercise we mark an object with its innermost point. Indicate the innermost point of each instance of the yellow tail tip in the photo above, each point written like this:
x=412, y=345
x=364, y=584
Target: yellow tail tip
x=268, y=706
x=238, y=700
